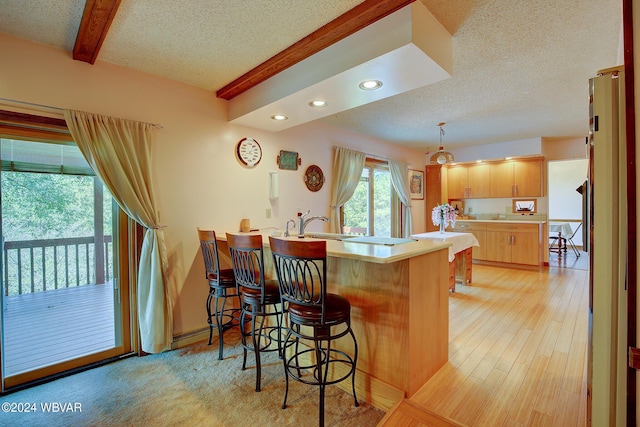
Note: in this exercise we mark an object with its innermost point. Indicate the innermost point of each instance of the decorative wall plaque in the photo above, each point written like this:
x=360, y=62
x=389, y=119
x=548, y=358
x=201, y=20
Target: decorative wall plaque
x=314, y=178
x=289, y=160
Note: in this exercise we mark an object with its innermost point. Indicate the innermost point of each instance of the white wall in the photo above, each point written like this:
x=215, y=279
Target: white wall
x=564, y=201
x=499, y=150
x=198, y=181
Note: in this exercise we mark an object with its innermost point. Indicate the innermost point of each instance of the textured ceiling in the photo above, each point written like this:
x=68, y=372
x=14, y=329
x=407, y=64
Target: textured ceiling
x=521, y=68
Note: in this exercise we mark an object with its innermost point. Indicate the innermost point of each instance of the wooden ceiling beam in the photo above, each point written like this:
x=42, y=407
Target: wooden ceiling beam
x=343, y=26
x=95, y=23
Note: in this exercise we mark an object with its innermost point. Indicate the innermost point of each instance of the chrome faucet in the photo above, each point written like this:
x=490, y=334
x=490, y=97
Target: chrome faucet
x=305, y=221
x=286, y=227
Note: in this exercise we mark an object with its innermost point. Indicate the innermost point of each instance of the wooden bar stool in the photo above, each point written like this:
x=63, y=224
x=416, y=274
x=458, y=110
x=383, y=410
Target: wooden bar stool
x=316, y=319
x=222, y=286
x=260, y=299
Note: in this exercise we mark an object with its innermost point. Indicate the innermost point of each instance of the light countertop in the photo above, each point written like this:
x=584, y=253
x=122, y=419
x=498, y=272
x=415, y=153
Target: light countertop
x=376, y=253
x=504, y=221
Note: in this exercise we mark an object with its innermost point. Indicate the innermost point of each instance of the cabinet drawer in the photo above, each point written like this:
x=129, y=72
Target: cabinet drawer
x=521, y=228
x=464, y=227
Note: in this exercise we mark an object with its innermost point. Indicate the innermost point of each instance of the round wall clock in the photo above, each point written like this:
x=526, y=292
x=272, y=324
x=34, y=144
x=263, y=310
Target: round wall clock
x=314, y=178
x=249, y=152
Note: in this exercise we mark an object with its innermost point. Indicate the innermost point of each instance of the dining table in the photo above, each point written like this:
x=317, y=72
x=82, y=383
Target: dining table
x=460, y=254
x=561, y=229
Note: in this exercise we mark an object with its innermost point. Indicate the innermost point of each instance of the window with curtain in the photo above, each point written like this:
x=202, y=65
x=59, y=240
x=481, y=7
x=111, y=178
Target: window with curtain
x=374, y=208
x=62, y=240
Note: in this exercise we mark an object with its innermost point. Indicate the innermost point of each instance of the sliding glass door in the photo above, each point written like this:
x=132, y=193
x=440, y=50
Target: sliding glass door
x=62, y=304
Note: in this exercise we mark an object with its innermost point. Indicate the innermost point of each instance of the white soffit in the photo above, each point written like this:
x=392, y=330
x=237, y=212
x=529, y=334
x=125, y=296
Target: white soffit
x=405, y=50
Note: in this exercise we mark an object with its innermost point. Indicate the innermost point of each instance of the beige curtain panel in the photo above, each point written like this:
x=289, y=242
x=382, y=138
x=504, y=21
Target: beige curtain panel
x=347, y=169
x=400, y=181
x=119, y=153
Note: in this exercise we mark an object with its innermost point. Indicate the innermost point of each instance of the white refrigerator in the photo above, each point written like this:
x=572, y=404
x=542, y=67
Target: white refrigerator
x=607, y=225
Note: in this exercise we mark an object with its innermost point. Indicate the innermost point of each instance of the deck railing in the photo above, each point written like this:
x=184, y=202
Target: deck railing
x=40, y=265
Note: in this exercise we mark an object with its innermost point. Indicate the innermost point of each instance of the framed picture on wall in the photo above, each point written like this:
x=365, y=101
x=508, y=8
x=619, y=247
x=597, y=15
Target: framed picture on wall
x=416, y=184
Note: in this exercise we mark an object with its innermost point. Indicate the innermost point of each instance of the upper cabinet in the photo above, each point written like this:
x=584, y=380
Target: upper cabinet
x=517, y=178
x=513, y=178
x=479, y=181
x=457, y=182
x=468, y=181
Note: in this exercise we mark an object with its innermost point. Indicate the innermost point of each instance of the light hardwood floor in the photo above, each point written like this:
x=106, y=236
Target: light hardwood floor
x=517, y=352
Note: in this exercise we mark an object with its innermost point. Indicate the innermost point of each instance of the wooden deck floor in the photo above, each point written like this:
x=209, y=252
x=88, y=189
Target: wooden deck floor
x=44, y=328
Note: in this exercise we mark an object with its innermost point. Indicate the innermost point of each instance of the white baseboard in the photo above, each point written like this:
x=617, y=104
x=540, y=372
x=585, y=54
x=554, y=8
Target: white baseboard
x=184, y=340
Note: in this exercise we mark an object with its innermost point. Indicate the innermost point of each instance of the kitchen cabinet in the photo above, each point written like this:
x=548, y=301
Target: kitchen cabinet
x=513, y=178
x=479, y=230
x=468, y=181
x=515, y=243
x=457, y=182
x=507, y=242
x=518, y=178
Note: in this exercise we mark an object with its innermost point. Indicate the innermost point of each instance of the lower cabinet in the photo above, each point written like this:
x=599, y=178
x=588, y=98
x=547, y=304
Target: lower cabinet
x=513, y=243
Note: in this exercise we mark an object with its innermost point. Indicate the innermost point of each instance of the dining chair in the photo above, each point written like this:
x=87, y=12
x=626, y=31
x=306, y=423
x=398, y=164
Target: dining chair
x=222, y=287
x=316, y=319
x=572, y=243
x=261, y=303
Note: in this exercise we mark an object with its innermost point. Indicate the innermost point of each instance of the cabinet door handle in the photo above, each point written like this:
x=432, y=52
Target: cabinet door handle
x=513, y=240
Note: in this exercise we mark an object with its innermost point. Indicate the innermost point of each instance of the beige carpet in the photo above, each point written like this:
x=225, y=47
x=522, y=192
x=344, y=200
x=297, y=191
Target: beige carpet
x=187, y=387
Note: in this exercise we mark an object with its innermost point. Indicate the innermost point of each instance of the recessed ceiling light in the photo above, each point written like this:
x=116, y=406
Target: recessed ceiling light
x=370, y=85
x=279, y=117
x=318, y=103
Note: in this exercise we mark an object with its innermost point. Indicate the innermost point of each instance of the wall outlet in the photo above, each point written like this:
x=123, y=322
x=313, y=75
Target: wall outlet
x=268, y=213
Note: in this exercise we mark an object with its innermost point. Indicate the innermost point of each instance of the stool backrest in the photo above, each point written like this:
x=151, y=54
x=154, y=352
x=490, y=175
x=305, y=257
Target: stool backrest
x=209, y=249
x=301, y=270
x=248, y=260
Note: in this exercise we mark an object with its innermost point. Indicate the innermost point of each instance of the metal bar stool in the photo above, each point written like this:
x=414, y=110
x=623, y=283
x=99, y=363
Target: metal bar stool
x=316, y=318
x=222, y=286
x=260, y=299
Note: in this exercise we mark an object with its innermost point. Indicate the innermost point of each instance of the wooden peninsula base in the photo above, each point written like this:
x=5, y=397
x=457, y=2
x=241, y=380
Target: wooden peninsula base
x=400, y=316
x=400, y=312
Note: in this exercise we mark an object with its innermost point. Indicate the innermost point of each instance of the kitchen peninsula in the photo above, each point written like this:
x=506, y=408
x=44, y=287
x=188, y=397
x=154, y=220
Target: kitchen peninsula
x=400, y=311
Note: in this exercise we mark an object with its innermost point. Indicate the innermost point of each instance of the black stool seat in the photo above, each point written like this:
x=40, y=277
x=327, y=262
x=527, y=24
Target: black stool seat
x=338, y=310
x=224, y=279
x=255, y=296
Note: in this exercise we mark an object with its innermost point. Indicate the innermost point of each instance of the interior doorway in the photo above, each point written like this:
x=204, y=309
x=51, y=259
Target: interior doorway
x=566, y=212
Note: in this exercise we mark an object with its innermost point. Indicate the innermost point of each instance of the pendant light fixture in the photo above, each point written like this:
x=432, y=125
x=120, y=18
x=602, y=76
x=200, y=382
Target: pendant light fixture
x=441, y=157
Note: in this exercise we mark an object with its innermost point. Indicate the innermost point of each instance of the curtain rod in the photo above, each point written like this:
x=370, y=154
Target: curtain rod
x=12, y=103
x=49, y=107
x=373, y=156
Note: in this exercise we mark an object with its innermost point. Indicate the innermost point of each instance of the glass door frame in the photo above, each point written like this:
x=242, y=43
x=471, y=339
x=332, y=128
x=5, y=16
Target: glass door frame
x=47, y=129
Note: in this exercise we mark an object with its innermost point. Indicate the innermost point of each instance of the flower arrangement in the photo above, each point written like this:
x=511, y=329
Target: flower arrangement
x=443, y=215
